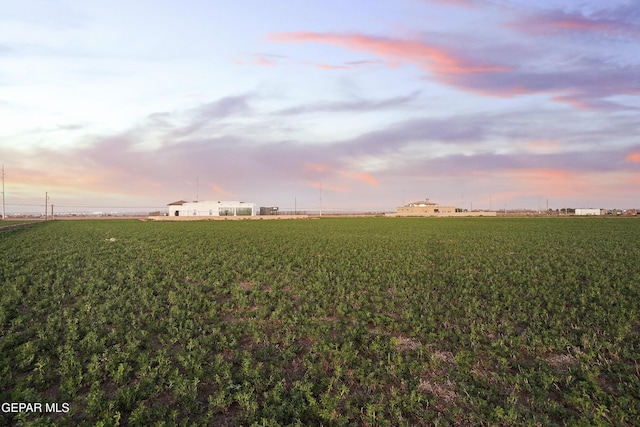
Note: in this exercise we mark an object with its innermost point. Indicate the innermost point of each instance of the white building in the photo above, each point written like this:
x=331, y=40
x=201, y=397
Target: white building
x=219, y=208
x=587, y=211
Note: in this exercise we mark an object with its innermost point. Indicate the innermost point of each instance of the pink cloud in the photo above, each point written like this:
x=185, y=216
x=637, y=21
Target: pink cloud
x=552, y=182
x=580, y=88
x=78, y=179
x=219, y=190
x=538, y=176
x=557, y=21
x=315, y=167
x=103, y=179
x=476, y=87
x=549, y=25
x=633, y=157
x=365, y=177
x=577, y=103
x=587, y=101
x=261, y=59
x=328, y=66
x=581, y=24
x=459, y=3
x=265, y=62
x=544, y=145
x=428, y=57
x=360, y=176
x=353, y=175
x=567, y=184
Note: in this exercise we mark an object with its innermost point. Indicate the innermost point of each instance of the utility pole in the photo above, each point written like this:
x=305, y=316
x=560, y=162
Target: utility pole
x=295, y=205
x=197, y=188
x=320, y=199
x=52, y=211
x=46, y=201
x=4, y=213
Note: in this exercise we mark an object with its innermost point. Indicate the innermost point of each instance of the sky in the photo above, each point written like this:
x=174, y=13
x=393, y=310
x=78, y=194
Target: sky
x=346, y=105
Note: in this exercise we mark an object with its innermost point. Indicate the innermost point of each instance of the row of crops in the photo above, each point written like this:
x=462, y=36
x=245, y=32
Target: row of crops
x=368, y=321
x=8, y=224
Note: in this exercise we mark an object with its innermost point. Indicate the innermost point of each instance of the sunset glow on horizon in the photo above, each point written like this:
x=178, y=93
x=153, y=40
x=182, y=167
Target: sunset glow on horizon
x=365, y=105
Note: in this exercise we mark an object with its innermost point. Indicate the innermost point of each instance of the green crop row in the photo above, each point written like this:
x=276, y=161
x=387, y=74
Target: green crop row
x=369, y=321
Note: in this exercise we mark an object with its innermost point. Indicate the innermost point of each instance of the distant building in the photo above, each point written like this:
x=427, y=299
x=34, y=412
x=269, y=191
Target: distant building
x=424, y=208
x=428, y=208
x=269, y=210
x=219, y=208
x=587, y=211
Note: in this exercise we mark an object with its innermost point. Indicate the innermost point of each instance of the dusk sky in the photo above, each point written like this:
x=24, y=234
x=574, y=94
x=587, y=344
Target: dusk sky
x=371, y=104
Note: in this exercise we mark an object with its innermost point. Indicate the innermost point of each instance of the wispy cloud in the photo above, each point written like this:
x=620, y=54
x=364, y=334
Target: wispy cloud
x=428, y=56
x=585, y=85
x=262, y=59
x=458, y=3
x=620, y=21
x=365, y=63
x=72, y=126
x=218, y=190
x=168, y=128
x=327, y=66
x=356, y=105
x=360, y=176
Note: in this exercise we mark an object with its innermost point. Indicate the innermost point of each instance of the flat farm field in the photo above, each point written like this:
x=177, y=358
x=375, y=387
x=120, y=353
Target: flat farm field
x=342, y=321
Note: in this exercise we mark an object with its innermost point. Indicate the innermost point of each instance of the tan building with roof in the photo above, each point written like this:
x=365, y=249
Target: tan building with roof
x=428, y=208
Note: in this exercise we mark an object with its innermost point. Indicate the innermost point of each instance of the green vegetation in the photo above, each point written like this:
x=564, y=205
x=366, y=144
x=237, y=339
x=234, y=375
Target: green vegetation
x=9, y=223
x=371, y=321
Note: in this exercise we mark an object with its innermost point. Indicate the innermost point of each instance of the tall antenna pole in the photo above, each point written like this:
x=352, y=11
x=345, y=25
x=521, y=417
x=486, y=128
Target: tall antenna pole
x=46, y=200
x=320, y=199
